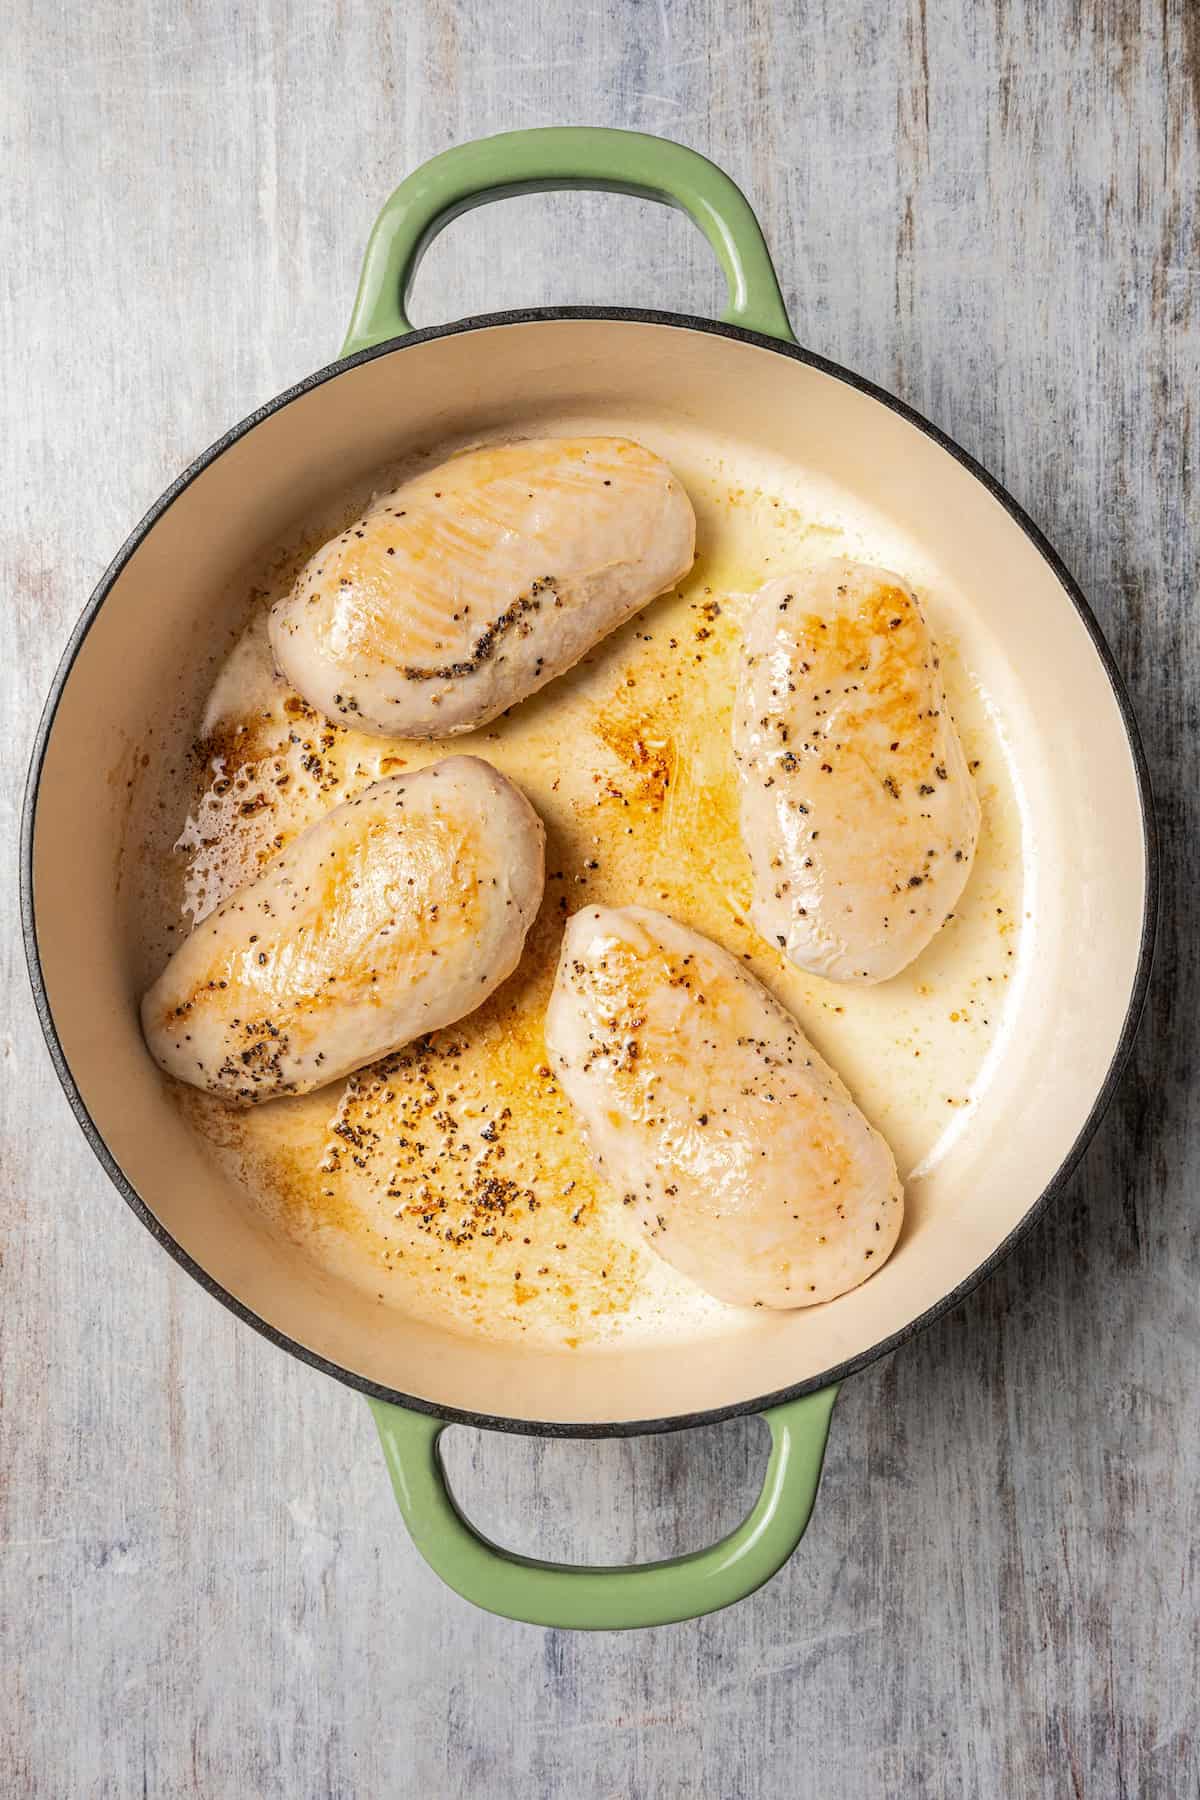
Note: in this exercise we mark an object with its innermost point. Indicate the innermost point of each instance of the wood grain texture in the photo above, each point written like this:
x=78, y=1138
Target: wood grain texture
x=991, y=208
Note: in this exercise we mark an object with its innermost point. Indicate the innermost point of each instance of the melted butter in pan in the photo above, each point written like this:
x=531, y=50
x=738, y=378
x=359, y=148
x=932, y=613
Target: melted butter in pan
x=450, y=1180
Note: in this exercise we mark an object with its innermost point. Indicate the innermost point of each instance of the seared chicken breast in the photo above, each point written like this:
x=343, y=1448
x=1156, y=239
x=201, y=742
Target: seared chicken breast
x=398, y=912
x=858, y=810
x=739, y=1152
x=474, y=584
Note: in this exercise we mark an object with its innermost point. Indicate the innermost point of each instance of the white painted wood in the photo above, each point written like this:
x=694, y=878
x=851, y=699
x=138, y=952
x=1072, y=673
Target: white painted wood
x=205, y=1588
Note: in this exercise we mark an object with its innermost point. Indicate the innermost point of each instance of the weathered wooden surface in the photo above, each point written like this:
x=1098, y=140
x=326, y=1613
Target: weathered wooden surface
x=990, y=208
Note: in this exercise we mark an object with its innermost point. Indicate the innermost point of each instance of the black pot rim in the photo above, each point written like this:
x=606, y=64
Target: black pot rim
x=675, y=1422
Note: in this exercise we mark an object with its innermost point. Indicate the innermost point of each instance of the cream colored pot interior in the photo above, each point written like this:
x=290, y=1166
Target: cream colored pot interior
x=1067, y=893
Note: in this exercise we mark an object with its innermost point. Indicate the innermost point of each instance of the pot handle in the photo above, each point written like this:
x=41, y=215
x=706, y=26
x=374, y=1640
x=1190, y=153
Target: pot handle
x=579, y=1598
x=543, y=160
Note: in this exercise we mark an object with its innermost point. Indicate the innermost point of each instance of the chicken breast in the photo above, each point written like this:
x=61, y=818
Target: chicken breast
x=476, y=583
x=398, y=912
x=743, y=1158
x=858, y=811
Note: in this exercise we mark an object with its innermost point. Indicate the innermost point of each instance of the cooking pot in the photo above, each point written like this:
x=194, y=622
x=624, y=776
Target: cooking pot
x=1086, y=823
